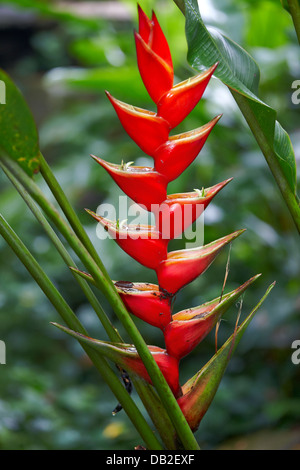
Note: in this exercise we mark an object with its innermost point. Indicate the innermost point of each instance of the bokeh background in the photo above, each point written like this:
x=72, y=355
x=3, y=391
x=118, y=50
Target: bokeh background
x=63, y=56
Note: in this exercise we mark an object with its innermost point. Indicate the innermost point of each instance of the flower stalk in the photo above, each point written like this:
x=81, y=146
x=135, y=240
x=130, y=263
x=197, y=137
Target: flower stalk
x=175, y=410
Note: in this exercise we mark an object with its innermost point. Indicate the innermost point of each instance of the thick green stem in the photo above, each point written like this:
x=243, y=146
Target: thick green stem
x=170, y=404
x=69, y=212
x=112, y=333
x=145, y=391
x=294, y=7
x=72, y=321
x=290, y=198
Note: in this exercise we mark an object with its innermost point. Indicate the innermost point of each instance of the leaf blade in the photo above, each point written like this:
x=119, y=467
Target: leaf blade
x=239, y=71
x=18, y=133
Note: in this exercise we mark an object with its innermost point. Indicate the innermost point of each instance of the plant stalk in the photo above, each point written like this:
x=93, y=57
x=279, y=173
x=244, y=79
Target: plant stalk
x=170, y=404
x=70, y=319
x=294, y=7
x=69, y=212
x=145, y=391
x=289, y=197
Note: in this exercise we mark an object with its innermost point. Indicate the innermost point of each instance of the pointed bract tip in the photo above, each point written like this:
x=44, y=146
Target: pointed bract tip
x=93, y=214
x=214, y=66
x=239, y=232
x=97, y=159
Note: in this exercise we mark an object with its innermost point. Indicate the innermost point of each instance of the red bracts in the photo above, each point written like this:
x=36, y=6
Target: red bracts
x=167, y=364
x=180, y=100
x=146, y=128
x=181, y=267
x=179, y=211
x=189, y=327
x=153, y=57
x=146, y=301
x=177, y=153
x=141, y=242
x=173, y=214
x=144, y=185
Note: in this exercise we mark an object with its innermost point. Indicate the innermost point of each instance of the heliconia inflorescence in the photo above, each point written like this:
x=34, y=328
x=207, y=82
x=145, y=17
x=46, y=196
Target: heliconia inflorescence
x=148, y=245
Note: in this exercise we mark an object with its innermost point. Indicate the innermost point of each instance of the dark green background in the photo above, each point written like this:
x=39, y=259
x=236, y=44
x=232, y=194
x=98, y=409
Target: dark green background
x=50, y=396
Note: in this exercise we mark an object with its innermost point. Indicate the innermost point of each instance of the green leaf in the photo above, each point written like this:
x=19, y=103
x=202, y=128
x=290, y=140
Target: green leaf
x=199, y=391
x=18, y=133
x=239, y=71
x=116, y=352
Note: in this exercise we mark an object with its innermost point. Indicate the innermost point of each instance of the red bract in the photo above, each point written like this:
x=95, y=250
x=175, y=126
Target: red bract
x=156, y=74
x=191, y=326
x=126, y=356
x=177, y=153
x=177, y=103
x=153, y=57
x=146, y=301
x=181, y=267
x=141, y=242
x=151, y=32
x=144, y=185
x=148, y=130
x=181, y=210
x=167, y=364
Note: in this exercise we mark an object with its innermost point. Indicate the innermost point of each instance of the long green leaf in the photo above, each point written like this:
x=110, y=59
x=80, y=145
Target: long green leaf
x=238, y=70
x=18, y=133
x=72, y=321
x=147, y=393
x=162, y=388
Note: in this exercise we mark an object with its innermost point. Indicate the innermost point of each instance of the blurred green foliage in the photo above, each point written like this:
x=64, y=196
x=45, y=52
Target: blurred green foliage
x=50, y=396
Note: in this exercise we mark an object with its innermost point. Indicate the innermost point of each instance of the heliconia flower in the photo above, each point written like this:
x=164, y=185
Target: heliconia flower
x=147, y=129
x=177, y=103
x=183, y=266
x=151, y=32
x=153, y=57
x=143, y=299
x=143, y=184
x=189, y=327
x=146, y=301
x=126, y=356
x=199, y=391
x=141, y=242
x=181, y=210
x=179, y=151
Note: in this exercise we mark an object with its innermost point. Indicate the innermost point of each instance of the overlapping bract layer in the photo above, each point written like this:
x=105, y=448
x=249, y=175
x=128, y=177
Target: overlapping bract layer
x=148, y=245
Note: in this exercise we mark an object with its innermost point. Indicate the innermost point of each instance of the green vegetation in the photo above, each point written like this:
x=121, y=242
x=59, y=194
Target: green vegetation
x=50, y=395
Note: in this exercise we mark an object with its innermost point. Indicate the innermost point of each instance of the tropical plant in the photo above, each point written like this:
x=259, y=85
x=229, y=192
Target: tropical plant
x=176, y=411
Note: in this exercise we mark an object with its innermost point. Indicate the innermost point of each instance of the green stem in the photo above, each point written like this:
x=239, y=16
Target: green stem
x=112, y=333
x=294, y=7
x=72, y=321
x=69, y=212
x=170, y=404
x=290, y=198
x=145, y=391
